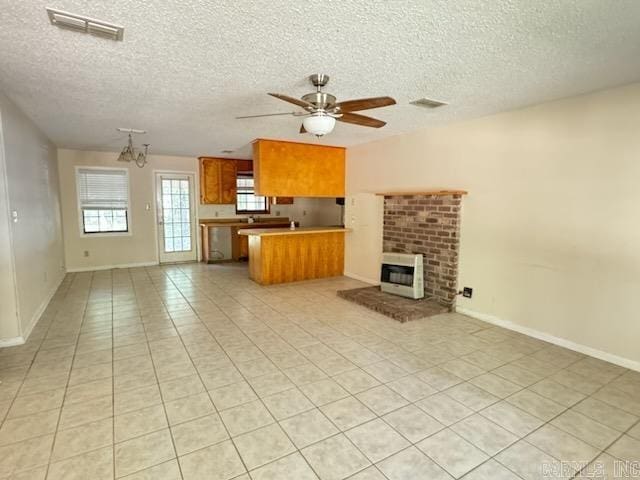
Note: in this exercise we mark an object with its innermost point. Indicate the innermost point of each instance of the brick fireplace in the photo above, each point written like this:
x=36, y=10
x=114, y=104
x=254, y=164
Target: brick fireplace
x=427, y=224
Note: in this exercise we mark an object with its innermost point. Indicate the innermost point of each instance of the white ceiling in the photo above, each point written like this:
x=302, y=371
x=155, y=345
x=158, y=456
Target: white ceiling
x=186, y=68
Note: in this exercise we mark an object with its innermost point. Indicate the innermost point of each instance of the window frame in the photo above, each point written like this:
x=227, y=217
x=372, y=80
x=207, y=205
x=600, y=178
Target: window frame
x=267, y=208
x=80, y=209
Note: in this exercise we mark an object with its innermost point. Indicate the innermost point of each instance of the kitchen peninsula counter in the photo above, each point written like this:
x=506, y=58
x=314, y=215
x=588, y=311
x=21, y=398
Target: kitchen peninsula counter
x=261, y=232
x=281, y=255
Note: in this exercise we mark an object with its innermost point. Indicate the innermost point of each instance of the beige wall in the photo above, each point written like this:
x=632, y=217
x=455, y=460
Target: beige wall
x=139, y=248
x=32, y=252
x=551, y=225
x=9, y=325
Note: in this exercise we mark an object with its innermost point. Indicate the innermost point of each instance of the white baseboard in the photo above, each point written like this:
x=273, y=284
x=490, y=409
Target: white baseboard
x=111, y=267
x=562, y=342
x=361, y=278
x=11, y=342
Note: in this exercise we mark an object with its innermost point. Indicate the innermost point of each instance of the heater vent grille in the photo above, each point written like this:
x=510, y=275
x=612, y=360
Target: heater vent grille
x=85, y=24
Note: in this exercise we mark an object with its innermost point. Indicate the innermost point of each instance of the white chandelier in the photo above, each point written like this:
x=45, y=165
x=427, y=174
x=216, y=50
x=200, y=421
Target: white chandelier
x=129, y=154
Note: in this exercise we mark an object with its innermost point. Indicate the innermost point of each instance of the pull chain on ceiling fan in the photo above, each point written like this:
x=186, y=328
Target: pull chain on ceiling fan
x=321, y=109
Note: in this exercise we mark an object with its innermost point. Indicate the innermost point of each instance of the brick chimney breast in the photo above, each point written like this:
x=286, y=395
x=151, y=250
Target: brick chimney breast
x=427, y=225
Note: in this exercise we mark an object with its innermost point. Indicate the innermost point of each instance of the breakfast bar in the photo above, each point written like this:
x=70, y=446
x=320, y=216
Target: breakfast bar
x=281, y=255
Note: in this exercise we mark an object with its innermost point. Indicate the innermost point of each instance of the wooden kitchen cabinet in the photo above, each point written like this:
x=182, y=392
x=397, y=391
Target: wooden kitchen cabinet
x=291, y=169
x=282, y=200
x=218, y=180
x=228, y=182
x=282, y=255
x=245, y=166
x=244, y=246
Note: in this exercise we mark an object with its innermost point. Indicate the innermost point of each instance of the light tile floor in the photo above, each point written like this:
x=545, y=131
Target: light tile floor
x=194, y=372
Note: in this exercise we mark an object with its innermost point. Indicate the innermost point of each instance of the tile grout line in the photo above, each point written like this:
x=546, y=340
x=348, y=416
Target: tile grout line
x=155, y=373
x=276, y=421
x=475, y=411
x=217, y=409
x=53, y=444
x=113, y=383
x=255, y=315
x=207, y=391
x=339, y=433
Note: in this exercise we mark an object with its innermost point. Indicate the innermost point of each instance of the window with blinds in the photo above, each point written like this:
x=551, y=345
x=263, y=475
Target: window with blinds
x=103, y=197
x=247, y=201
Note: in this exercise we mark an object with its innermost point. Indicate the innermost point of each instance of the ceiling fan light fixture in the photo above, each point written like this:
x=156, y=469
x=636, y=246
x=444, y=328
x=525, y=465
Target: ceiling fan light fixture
x=322, y=110
x=319, y=124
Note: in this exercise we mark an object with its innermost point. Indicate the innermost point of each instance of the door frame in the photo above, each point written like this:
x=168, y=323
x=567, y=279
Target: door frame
x=196, y=187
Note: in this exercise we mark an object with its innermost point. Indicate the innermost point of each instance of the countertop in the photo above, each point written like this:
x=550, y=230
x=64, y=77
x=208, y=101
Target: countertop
x=234, y=223
x=264, y=232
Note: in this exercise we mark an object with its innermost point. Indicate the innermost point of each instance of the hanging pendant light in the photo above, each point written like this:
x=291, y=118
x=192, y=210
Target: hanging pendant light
x=129, y=154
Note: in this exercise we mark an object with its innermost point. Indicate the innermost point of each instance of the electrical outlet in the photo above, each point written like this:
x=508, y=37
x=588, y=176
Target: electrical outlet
x=86, y=253
x=217, y=213
x=304, y=213
x=467, y=292
x=277, y=213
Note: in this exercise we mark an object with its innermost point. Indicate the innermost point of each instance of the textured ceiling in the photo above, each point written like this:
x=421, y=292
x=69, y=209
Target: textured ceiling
x=186, y=68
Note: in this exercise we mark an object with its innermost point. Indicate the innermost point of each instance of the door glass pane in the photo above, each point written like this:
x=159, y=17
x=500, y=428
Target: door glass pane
x=176, y=215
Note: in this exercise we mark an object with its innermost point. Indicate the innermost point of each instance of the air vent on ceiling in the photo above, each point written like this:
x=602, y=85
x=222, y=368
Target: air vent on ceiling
x=85, y=24
x=427, y=103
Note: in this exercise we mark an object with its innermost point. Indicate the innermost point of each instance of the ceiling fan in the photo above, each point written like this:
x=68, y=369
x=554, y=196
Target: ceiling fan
x=321, y=110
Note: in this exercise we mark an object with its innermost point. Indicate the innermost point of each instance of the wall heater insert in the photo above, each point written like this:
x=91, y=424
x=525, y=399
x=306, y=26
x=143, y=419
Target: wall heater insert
x=402, y=274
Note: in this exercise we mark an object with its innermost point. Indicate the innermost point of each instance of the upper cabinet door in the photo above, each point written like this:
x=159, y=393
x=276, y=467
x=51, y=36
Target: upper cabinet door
x=218, y=180
x=290, y=169
x=209, y=180
x=228, y=182
x=282, y=200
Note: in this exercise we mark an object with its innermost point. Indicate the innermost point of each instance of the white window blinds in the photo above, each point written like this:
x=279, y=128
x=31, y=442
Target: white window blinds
x=102, y=188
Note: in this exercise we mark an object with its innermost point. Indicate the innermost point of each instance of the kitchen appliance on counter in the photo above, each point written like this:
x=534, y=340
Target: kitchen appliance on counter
x=402, y=274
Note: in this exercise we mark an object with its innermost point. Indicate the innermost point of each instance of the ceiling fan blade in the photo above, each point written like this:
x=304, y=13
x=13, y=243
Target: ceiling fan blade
x=295, y=101
x=302, y=129
x=270, y=115
x=362, y=120
x=364, y=104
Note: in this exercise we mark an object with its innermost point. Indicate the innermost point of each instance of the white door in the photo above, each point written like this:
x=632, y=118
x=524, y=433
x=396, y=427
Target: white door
x=176, y=221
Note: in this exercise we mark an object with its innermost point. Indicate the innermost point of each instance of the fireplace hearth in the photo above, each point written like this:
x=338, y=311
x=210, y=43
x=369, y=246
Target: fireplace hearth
x=399, y=308
x=424, y=225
